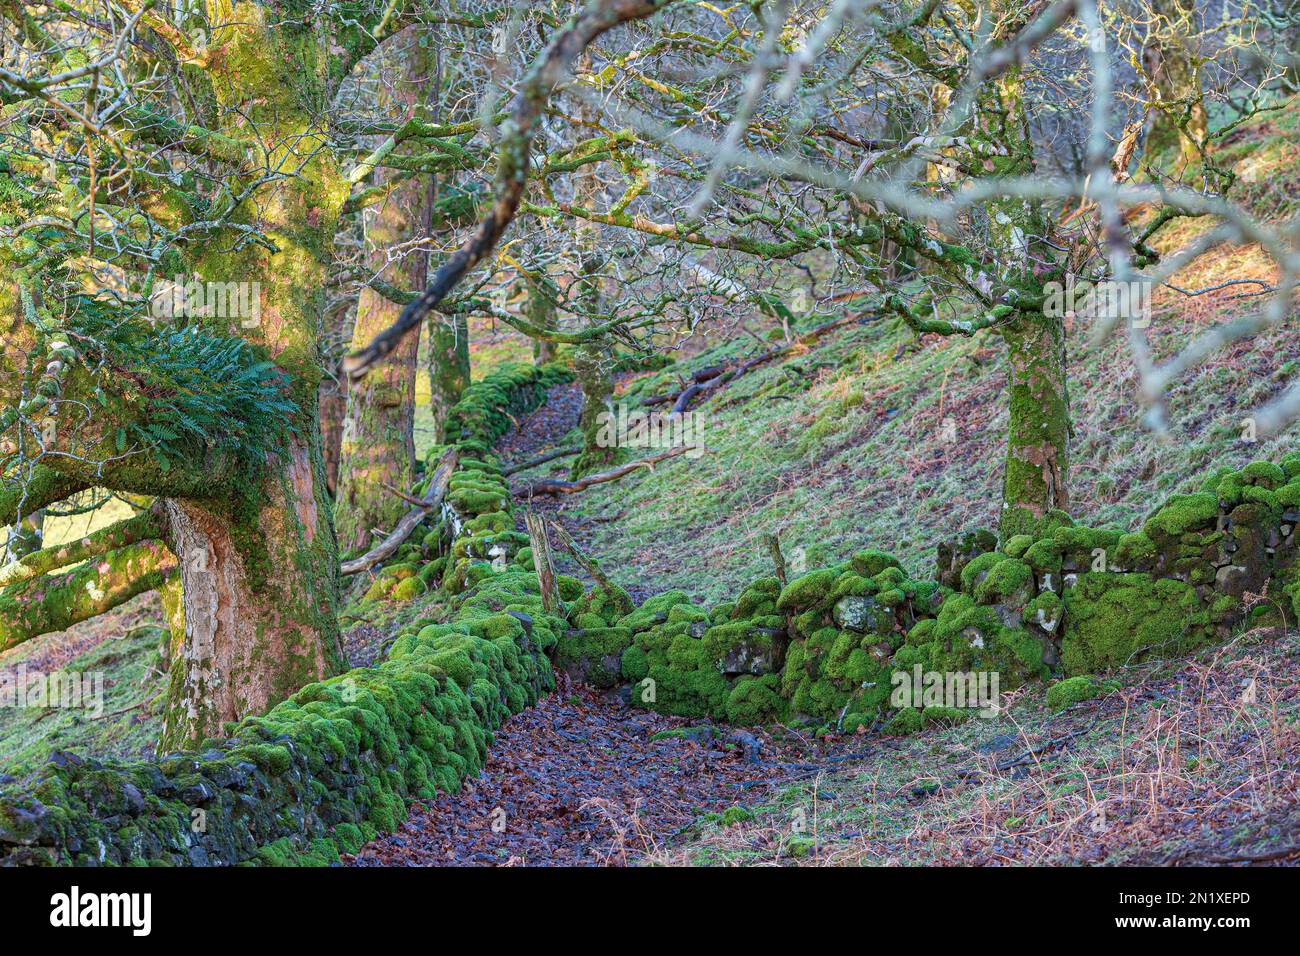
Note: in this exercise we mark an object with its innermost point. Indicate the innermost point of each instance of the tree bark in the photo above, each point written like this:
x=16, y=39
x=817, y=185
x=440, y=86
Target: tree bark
x=448, y=366
x=592, y=369
x=56, y=602
x=542, y=293
x=378, y=445
x=339, y=323
x=259, y=580
x=447, y=335
x=1038, y=433
x=593, y=360
x=1035, y=479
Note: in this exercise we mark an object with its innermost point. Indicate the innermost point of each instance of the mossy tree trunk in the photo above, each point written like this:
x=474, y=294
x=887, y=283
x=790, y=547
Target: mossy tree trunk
x=447, y=336
x=593, y=359
x=339, y=323
x=1038, y=432
x=1017, y=239
x=1035, y=479
x=24, y=536
x=591, y=368
x=378, y=447
x=542, y=296
x=259, y=560
x=448, y=365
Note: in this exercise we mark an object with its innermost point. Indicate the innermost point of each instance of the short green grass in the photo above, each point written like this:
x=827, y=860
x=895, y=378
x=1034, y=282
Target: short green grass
x=120, y=724
x=845, y=448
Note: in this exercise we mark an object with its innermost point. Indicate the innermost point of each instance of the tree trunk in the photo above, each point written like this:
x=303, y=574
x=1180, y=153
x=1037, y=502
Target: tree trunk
x=259, y=579
x=1038, y=435
x=378, y=446
x=592, y=368
x=23, y=537
x=593, y=360
x=339, y=323
x=1038, y=432
x=447, y=336
x=448, y=365
x=542, y=293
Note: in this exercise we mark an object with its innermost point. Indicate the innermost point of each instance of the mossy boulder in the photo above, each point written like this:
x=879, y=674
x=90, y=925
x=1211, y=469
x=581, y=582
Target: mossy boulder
x=1115, y=619
x=1074, y=690
x=593, y=655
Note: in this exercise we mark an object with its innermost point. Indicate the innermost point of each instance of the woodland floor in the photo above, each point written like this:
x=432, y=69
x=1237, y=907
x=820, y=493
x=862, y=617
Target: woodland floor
x=1195, y=761
x=581, y=779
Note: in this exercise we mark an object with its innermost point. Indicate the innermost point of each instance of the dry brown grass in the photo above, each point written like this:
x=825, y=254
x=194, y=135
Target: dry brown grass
x=1195, y=761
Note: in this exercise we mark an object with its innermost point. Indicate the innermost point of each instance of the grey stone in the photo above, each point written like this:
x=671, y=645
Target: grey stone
x=750, y=655
x=857, y=614
x=134, y=799
x=1232, y=580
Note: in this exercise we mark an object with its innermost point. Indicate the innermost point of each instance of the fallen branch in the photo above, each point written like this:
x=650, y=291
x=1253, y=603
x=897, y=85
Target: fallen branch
x=409, y=499
x=550, y=487
x=540, y=460
x=432, y=499
x=698, y=376
x=705, y=386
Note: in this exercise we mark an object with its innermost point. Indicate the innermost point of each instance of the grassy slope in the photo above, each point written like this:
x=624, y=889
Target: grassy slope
x=120, y=648
x=1192, y=760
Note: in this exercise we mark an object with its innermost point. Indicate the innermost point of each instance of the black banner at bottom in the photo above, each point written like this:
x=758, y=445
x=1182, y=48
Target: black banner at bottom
x=138, y=907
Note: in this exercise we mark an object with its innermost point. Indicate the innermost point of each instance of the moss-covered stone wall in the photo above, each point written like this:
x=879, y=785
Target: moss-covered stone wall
x=1064, y=600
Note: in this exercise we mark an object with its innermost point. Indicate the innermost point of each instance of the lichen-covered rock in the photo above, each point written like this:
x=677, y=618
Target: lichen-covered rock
x=861, y=614
x=953, y=556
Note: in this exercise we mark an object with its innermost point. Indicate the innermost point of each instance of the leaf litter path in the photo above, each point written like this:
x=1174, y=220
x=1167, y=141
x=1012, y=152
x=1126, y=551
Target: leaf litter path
x=579, y=779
